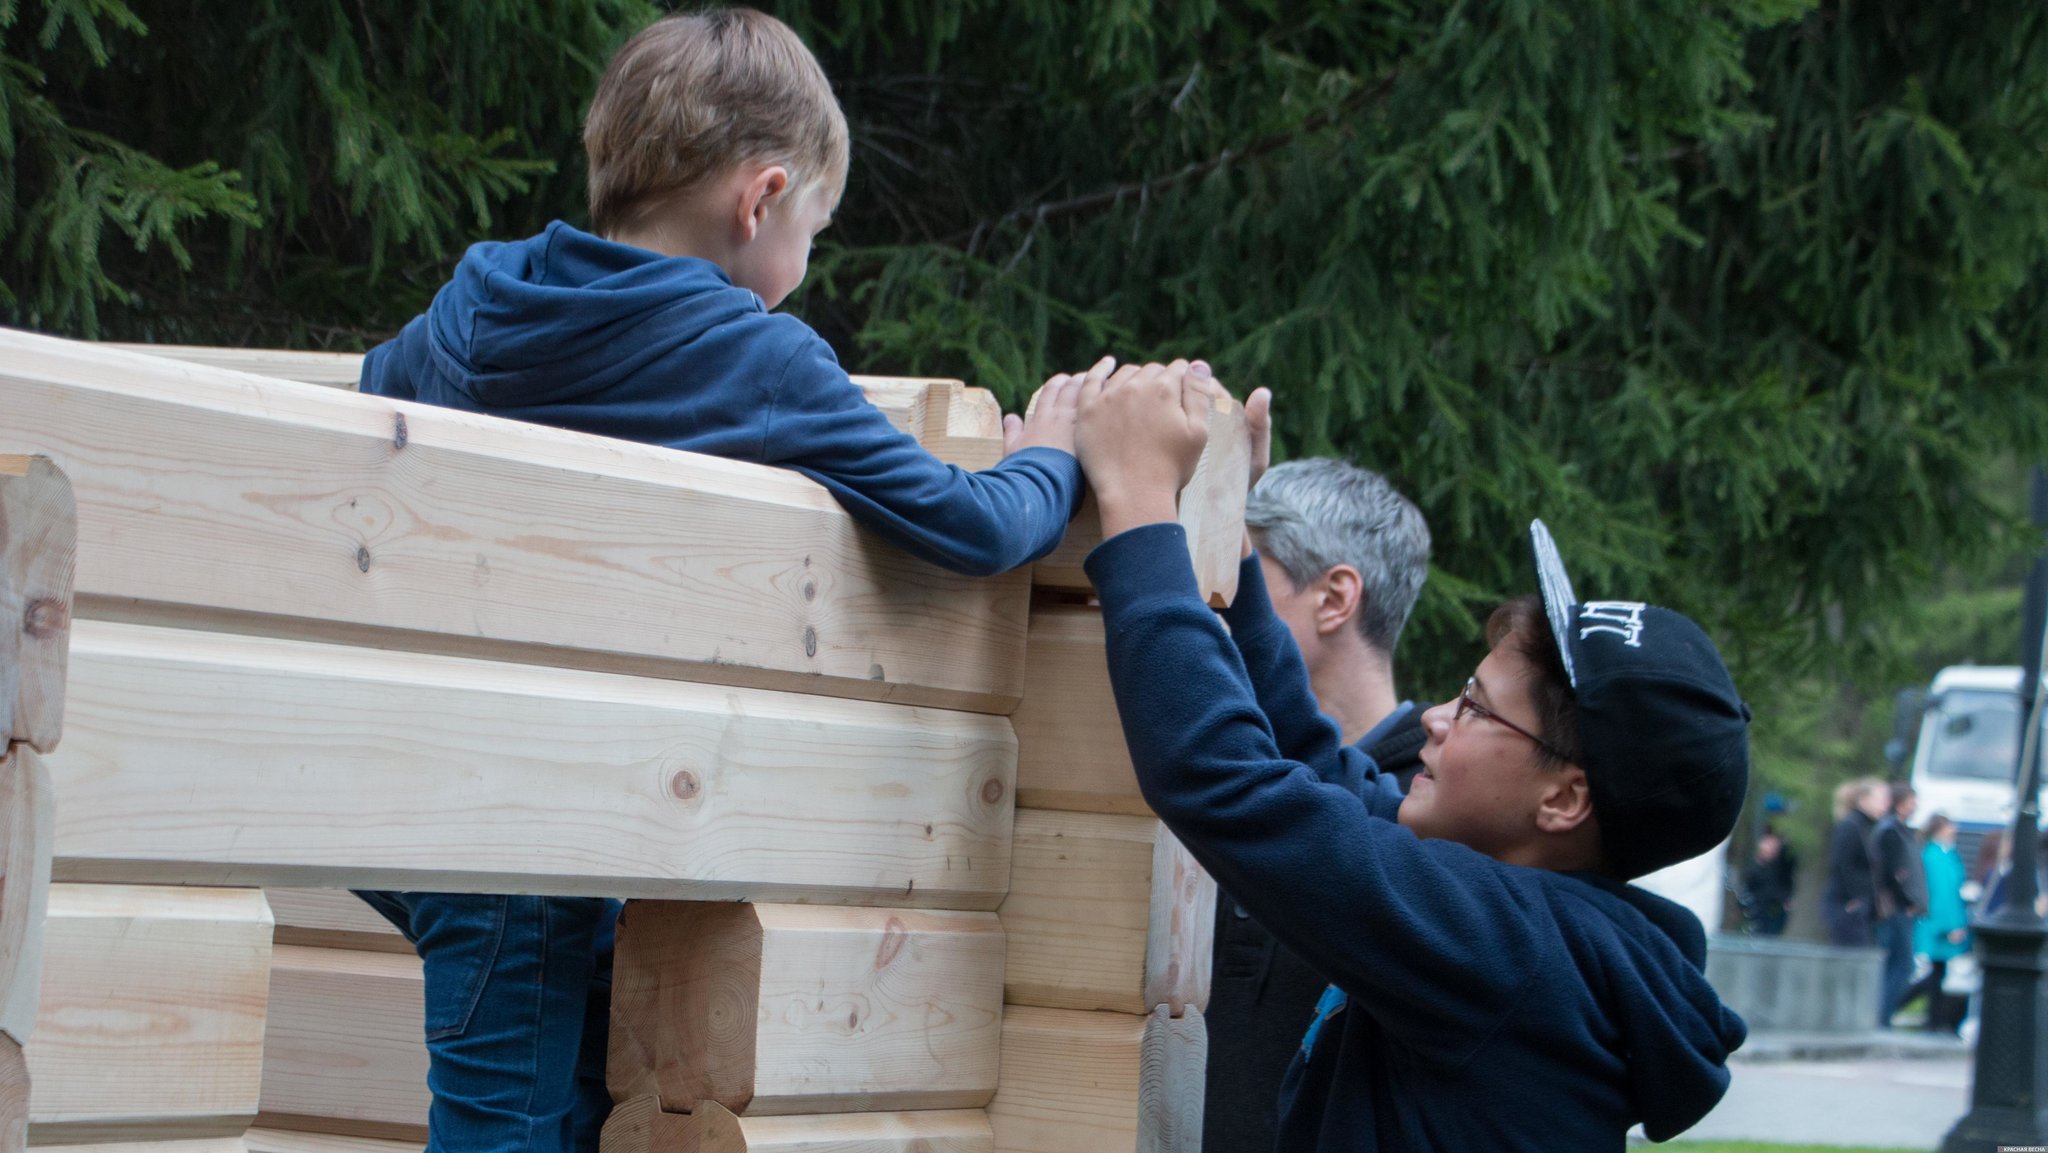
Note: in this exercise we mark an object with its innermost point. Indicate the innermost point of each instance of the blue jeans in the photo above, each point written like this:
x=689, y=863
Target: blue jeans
x=1895, y=937
x=518, y=1000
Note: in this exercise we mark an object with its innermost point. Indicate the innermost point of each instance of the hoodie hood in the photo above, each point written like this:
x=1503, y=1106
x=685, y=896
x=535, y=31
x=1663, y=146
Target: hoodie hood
x=1675, y=1030
x=544, y=320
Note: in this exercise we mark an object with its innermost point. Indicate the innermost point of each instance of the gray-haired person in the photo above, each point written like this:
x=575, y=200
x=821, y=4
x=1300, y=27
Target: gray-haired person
x=1345, y=556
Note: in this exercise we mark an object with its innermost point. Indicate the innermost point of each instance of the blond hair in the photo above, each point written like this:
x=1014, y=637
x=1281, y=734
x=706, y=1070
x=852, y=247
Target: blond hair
x=1849, y=794
x=693, y=96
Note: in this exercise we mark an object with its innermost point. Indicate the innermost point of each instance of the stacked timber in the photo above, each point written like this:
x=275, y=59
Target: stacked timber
x=1109, y=919
x=336, y=640
x=38, y=543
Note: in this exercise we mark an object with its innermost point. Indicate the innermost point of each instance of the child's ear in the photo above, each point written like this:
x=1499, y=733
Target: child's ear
x=757, y=194
x=1567, y=801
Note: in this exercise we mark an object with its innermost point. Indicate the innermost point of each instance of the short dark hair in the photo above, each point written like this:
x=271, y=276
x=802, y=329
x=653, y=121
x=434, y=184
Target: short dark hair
x=1901, y=793
x=1522, y=622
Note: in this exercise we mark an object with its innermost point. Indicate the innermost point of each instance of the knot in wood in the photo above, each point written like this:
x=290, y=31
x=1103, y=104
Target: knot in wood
x=685, y=785
x=399, y=436
x=810, y=641
x=363, y=558
x=992, y=791
x=894, y=934
x=45, y=618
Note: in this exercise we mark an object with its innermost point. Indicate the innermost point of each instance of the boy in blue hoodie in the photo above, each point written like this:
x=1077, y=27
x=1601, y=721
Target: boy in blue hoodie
x=1496, y=982
x=717, y=153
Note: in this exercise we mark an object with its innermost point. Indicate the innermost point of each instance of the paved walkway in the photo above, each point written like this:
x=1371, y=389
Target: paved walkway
x=1888, y=1102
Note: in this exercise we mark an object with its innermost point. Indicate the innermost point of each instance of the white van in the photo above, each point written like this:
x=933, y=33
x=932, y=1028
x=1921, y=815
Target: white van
x=1964, y=764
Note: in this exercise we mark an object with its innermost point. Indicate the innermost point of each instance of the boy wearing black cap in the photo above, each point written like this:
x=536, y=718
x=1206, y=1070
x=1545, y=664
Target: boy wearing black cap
x=1496, y=983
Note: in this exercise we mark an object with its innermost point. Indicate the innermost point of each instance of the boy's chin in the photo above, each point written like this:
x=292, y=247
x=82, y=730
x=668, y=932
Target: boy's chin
x=1410, y=813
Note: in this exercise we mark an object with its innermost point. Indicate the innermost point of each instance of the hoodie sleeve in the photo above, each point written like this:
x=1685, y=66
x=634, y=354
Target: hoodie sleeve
x=384, y=371
x=1430, y=937
x=1280, y=682
x=978, y=523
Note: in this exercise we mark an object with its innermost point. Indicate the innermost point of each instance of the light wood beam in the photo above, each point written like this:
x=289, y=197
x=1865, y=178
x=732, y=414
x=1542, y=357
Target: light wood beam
x=640, y=1126
x=1106, y=912
x=1078, y=1082
x=38, y=552
x=27, y=834
x=209, y=758
x=262, y=505
x=343, y=1050
x=780, y=1009
x=151, y=1019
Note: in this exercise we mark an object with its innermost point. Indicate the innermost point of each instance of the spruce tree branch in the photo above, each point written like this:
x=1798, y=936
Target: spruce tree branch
x=1145, y=189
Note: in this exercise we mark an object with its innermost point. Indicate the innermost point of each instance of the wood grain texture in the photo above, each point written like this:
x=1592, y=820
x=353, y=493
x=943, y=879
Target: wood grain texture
x=211, y=758
x=14, y=1091
x=1070, y=743
x=38, y=553
x=154, y=1145
x=287, y=508
x=263, y=1139
x=1105, y=912
x=27, y=833
x=957, y=424
x=640, y=1126
x=782, y=1009
x=1077, y=1082
x=332, y=919
x=151, y=1023
x=343, y=1050
x=1211, y=509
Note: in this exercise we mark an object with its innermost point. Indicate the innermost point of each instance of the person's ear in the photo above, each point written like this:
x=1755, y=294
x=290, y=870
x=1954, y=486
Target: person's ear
x=1340, y=597
x=1566, y=801
x=760, y=191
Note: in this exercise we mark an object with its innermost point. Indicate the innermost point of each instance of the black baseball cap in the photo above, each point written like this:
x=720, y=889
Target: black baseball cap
x=1663, y=735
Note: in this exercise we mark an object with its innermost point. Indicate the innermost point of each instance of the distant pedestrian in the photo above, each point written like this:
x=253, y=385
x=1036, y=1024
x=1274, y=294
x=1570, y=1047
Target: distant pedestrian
x=1901, y=897
x=1989, y=859
x=1767, y=885
x=1944, y=932
x=1848, y=906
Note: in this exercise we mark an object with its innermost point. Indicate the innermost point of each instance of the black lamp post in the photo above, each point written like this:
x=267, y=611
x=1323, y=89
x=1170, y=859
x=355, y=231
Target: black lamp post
x=2009, y=1093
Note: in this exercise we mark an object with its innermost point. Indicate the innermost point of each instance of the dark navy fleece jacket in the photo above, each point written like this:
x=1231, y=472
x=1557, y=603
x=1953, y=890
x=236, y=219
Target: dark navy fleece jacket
x=1480, y=1005
x=571, y=330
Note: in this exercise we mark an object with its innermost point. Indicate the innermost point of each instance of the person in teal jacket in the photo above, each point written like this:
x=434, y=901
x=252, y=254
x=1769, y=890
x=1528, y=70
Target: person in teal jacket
x=1944, y=932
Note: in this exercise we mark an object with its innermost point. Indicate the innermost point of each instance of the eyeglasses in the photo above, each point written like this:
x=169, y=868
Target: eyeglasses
x=1466, y=704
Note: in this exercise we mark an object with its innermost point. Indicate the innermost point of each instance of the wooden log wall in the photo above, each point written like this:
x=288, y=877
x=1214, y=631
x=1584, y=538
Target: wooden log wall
x=765, y=704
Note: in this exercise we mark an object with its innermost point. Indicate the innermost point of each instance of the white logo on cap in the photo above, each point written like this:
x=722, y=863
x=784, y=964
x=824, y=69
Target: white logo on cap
x=1622, y=618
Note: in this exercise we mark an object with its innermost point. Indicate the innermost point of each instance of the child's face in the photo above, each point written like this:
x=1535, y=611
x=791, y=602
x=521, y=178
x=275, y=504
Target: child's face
x=774, y=261
x=1482, y=783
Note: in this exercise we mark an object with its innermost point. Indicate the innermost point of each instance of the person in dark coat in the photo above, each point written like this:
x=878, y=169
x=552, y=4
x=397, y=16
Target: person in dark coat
x=1344, y=556
x=1767, y=885
x=1849, y=904
x=1901, y=897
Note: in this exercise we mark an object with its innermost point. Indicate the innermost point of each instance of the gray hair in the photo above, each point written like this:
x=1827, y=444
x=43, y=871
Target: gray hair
x=1312, y=515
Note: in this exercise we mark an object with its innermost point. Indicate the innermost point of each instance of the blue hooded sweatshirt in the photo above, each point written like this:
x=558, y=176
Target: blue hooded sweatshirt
x=1474, y=1004
x=571, y=330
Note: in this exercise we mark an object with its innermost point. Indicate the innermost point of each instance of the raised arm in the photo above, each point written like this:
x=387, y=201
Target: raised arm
x=1415, y=930
x=978, y=523
x=1280, y=683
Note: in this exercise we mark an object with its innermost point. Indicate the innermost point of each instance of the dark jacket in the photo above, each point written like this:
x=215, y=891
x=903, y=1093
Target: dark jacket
x=1895, y=859
x=1477, y=1005
x=571, y=330
x=1262, y=997
x=1851, y=877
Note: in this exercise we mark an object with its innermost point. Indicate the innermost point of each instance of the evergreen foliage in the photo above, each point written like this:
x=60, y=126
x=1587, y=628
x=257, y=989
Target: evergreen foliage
x=1740, y=295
